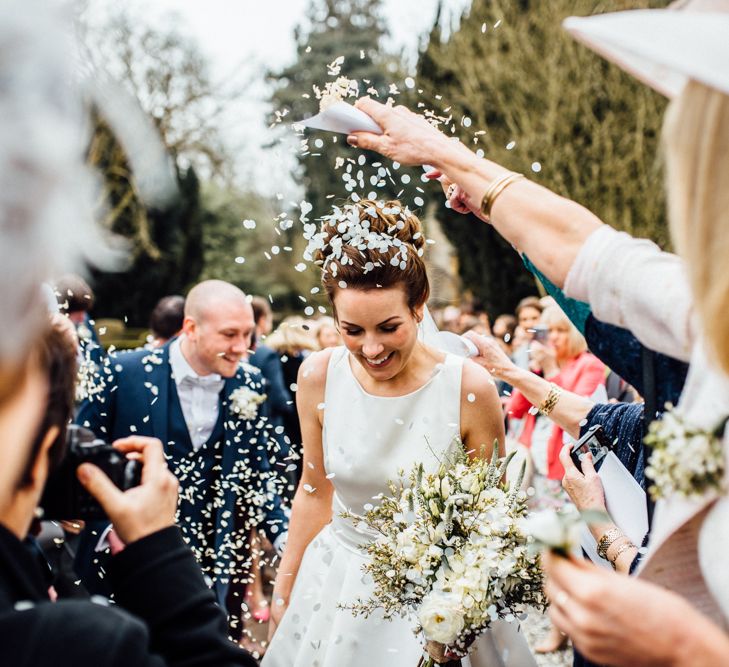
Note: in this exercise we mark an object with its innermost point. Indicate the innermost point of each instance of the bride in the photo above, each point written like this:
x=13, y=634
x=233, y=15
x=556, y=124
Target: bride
x=382, y=402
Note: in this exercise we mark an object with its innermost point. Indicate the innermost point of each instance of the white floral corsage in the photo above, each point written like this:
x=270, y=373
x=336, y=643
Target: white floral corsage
x=686, y=460
x=244, y=403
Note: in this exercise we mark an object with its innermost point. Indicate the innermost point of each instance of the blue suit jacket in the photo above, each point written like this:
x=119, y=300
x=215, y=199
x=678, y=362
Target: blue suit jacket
x=279, y=402
x=139, y=398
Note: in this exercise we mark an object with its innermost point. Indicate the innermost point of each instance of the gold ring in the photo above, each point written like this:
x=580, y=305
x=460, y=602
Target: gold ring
x=561, y=599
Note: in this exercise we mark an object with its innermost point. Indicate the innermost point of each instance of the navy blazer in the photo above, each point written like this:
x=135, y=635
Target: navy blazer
x=137, y=398
x=280, y=404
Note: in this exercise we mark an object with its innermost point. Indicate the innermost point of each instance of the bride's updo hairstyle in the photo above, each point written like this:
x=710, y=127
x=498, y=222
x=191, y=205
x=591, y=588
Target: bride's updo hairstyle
x=370, y=245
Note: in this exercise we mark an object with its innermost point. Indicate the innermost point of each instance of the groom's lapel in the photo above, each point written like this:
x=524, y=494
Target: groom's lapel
x=231, y=425
x=160, y=377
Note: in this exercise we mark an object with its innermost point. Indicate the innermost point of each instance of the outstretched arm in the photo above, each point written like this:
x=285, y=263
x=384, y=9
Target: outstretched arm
x=564, y=240
x=548, y=228
x=570, y=409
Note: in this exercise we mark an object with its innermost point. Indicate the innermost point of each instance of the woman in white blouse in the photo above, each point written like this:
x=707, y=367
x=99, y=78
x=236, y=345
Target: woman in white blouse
x=678, y=305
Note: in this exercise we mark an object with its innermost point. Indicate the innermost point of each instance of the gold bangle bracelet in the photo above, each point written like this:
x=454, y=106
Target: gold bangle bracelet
x=607, y=540
x=550, y=400
x=495, y=189
x=619, y=552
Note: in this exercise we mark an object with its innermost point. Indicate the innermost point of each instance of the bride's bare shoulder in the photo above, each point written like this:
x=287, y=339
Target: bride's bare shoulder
x=482, y=420
x=313, y=371
x=477, y=385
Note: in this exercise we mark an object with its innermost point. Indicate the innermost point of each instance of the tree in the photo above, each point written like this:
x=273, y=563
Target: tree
x=164, y=84
x=169, y=77
x=351, y=30
x=165, y=246
x=550, y=109
x=244, y=244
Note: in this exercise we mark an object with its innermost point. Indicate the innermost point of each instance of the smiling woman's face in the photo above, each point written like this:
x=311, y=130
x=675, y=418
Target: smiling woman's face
x=378, y=328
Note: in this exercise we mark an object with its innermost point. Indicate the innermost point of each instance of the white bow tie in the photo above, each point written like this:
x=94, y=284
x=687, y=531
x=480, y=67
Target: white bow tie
x=208, y=381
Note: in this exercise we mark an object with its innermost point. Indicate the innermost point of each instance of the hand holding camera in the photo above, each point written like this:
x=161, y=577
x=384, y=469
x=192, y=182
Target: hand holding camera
x=581, y=481
x=542, y=357
x=141, y=510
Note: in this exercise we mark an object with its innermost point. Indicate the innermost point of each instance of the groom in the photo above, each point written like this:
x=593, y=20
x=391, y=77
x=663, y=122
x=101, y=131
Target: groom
x=204, y=403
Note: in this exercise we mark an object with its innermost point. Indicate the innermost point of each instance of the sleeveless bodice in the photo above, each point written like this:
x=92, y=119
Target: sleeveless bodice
x=368, y=438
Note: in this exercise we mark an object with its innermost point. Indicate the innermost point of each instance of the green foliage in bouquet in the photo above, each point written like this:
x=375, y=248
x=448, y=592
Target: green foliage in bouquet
x=450, y=550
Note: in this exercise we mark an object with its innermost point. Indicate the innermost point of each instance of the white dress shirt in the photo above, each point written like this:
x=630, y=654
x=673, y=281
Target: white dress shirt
x=199, y=396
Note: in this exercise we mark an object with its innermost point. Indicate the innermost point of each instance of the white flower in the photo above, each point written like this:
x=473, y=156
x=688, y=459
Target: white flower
x=407, y=545
x=84, y=333
x=685, y=460
x=459, y=567
x=442, y=618
x=559, y=532
x=244, y=403
x=433, y=507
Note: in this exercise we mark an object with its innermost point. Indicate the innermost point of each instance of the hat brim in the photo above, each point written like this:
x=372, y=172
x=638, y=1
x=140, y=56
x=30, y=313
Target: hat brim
x=660, y=47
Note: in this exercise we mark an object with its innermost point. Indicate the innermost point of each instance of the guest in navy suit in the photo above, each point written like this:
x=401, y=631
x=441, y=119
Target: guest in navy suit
x=75, y=299
x=206, y=406
x=279, y=402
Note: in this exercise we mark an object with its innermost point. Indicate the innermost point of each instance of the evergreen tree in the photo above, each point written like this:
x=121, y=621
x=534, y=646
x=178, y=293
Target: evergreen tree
x=551, y=109
x=352, y=29
x=243, y=244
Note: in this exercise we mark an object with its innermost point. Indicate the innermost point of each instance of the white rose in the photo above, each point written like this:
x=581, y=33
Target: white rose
x=407, y=545
x=441, y=617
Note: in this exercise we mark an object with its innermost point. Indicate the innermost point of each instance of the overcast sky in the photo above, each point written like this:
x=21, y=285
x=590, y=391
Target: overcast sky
x=244, y=38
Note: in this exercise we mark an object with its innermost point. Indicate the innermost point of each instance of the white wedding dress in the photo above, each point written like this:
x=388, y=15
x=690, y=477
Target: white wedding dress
x=366, y=440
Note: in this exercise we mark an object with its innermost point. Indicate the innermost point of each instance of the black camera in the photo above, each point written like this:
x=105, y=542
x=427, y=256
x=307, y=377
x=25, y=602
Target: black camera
x=64, y=497
x=594, y=442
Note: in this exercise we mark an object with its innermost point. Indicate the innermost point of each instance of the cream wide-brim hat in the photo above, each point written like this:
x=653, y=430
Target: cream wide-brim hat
x=663, y=48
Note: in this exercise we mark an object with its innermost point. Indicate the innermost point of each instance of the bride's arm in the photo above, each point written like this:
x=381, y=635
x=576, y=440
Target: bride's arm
x=482, y=418
x=312, y=506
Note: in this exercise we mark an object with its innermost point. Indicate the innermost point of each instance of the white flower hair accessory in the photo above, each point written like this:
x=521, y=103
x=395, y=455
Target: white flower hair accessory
x=244, y=403
x=686, y=460
x=355, y=230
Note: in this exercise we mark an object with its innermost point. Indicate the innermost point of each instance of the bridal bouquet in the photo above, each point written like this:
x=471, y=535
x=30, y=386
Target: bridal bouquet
x=450, y=552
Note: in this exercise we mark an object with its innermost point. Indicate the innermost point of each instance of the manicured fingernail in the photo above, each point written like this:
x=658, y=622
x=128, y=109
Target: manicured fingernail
x=352, y=139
